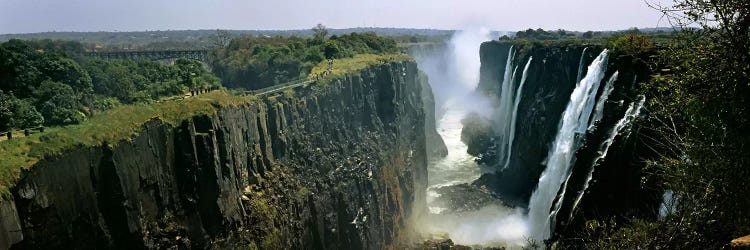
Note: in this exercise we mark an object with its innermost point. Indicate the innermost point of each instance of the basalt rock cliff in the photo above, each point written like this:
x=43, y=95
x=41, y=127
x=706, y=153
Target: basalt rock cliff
x=336, y=165
x=616, y=188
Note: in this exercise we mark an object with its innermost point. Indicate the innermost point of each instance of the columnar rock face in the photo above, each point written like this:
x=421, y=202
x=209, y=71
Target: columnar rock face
x=338, y=165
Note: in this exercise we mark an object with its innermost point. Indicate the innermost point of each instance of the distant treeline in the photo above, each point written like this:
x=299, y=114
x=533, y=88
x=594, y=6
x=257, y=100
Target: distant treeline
x=49, y=83
x=658, y=35
x=204, y=39
x=256, y=62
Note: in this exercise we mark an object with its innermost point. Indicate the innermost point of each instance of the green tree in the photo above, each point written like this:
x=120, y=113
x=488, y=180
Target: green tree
x=26, y=116
x=190, y=71
x=66, y=71
x=320, y=31
x=7, y=103
x=631, y=44
x=59, y=104
x=588, y=34
x=332, y=49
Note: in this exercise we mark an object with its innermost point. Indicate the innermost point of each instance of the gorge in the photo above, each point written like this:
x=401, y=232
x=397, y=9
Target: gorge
x=472, y=141
x=532, y=158
x=475, y=141
x=332, y=165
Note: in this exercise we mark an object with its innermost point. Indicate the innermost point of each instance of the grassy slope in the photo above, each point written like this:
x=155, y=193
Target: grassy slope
x=123, y=122
x=356, y=63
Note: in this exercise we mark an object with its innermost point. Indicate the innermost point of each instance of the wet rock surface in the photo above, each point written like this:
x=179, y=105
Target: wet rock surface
x=335, y=166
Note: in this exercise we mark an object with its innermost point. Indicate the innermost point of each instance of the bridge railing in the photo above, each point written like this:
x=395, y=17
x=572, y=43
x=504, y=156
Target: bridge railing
x=153, y=55
x=278, y=87
x=26, y=132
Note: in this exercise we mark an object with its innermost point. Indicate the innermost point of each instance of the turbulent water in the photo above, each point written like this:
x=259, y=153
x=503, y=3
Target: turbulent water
x=459, y=211
x=458, y=166
x=491, y=224
x=471, y=216
x=575, y=121
x=599, y=110
x=630, y=114
x=514, y=116
x=504, y=112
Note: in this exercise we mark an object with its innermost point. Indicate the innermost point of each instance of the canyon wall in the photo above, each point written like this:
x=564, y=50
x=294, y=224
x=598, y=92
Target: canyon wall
x=337, y=165
x=615, y=188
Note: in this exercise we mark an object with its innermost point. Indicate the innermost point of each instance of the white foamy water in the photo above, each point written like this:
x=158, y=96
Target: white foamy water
x=492, y=225
x=453, y=85
x=561, y=156
x=458, y=166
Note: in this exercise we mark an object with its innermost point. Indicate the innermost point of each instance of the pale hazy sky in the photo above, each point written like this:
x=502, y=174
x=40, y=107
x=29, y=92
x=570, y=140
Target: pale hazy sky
x=24, y=16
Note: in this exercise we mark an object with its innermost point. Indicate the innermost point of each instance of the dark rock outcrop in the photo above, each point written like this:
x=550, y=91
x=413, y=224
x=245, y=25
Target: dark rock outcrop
x=478, y=135
x=333, y=166
x=436, y=148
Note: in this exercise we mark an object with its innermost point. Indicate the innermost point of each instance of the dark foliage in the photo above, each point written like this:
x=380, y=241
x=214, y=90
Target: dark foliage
x=48, y=82
x=256, y=62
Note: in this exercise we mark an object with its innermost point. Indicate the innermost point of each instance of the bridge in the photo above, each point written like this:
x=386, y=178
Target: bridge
x=279, y=87
x=200, y=55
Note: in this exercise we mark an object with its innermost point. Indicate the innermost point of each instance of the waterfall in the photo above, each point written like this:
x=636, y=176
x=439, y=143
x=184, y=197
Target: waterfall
x=630, y=114
x=583, y=123
x=588, y=106
x=563, y=149
x=503, y=111
x=580, y=64
x=512, y=134
x=599, y=109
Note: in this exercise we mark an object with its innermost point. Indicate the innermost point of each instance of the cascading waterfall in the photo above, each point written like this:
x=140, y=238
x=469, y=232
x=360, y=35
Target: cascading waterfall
x=580, y=64
x=517, y=100
x=583, y=123
x=574, y=119
x=503, y=111
x=599, y=110
x=505, y=125
x=633, y=111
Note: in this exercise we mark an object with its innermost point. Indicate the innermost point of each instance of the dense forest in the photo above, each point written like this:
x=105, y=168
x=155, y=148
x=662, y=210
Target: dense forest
x=208, y=39
x=50, y=83
x=256, y=62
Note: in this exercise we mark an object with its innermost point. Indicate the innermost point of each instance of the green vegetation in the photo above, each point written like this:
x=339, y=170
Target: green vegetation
x=658, y=36
x=113, y=83
x=43, y=84
x=631, y=44
x=356, y=63
x=540, y=34
x=259, y=62
x=112, y=126
x=699, y=111
x=206, y=39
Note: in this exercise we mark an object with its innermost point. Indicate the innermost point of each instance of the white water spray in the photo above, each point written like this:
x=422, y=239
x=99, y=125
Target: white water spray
x=503, y=110
x=633, y=111
x=574, y=118
x=599, y=110
x=453, y=75
x=580, y=65
x=512, y=134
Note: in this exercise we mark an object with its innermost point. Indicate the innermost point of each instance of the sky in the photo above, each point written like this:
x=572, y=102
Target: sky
x=28, y=16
